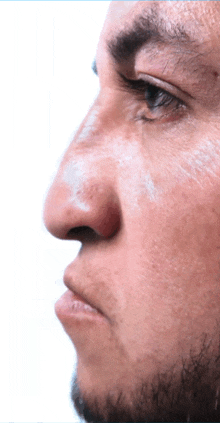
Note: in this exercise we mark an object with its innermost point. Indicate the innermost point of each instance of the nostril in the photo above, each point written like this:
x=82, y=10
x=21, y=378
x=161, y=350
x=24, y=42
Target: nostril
x=83, y=234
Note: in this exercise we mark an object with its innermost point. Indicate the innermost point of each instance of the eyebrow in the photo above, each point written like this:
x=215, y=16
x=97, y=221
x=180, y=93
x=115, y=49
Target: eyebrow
x=147, y=28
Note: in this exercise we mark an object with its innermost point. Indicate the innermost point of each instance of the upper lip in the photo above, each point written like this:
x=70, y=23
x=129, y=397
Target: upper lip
x=69, y=283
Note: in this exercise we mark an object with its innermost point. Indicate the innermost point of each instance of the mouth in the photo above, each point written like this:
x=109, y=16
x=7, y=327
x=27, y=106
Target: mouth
x=75, y=306
x=80, y=313
x=72, y=309
x=79, y=306
x=80, y=301
x=72, y=305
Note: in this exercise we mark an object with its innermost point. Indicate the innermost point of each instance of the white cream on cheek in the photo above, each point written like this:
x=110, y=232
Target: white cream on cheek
x=195, y=165
x=133, y=171
x=150, y=187
x=203, y=161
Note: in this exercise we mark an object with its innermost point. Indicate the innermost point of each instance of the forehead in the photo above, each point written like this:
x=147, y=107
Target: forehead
x=200, y=19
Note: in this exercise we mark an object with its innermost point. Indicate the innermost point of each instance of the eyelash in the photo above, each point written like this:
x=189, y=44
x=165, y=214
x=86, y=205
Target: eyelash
x=154, y=96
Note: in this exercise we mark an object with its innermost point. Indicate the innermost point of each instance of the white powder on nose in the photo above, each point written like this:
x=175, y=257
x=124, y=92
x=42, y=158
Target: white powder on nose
x=74, y=176
x=89, y=126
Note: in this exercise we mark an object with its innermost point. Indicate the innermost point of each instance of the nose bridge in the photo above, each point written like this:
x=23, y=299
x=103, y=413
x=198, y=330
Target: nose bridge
x=83, y=193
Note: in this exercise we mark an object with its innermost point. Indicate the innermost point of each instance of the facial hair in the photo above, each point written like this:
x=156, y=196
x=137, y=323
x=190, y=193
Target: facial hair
x=191, y=394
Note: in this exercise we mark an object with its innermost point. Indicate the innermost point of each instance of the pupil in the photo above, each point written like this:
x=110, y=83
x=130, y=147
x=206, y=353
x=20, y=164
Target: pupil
x=153, y=96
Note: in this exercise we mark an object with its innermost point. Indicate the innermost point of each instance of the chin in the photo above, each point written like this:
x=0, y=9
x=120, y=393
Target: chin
x=181, y=394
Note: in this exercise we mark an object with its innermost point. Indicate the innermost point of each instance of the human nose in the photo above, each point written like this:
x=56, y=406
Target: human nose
x=82, y=203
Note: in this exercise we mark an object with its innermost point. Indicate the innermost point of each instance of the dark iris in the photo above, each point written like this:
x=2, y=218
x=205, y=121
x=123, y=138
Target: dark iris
x=156, y=97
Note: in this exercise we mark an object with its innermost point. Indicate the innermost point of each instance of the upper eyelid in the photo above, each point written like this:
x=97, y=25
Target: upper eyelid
x=140, y=85
x=184, y=98
x=169, y=87
x=133, y=84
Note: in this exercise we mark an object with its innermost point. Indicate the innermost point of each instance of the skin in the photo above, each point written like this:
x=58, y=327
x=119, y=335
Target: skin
x=149, y=192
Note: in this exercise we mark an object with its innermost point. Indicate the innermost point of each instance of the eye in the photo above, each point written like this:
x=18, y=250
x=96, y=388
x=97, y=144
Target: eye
x=160, y=104
x=157, y=97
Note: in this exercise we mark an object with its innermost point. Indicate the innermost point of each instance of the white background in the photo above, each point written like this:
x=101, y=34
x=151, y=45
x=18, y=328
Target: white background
x=46, y=88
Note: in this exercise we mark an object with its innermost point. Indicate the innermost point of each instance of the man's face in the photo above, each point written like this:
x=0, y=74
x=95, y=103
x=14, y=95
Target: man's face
x=139, y=186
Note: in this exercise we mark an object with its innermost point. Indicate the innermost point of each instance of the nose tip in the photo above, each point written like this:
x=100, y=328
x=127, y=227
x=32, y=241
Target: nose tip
x=87, y=208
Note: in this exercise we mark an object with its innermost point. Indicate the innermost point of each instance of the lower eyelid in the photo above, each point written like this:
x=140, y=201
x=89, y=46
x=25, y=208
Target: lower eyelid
x=174, y=114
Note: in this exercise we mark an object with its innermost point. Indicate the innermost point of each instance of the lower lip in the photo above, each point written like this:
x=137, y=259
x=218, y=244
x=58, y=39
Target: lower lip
x=71, y=306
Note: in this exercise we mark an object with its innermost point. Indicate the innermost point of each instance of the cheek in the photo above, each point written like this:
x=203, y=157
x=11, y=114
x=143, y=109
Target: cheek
x=173, y=254
x=202, y=162
x=189, y=218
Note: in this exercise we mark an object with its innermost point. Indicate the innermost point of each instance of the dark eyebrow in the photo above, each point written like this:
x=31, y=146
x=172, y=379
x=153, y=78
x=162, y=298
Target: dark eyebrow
x=147, y=28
